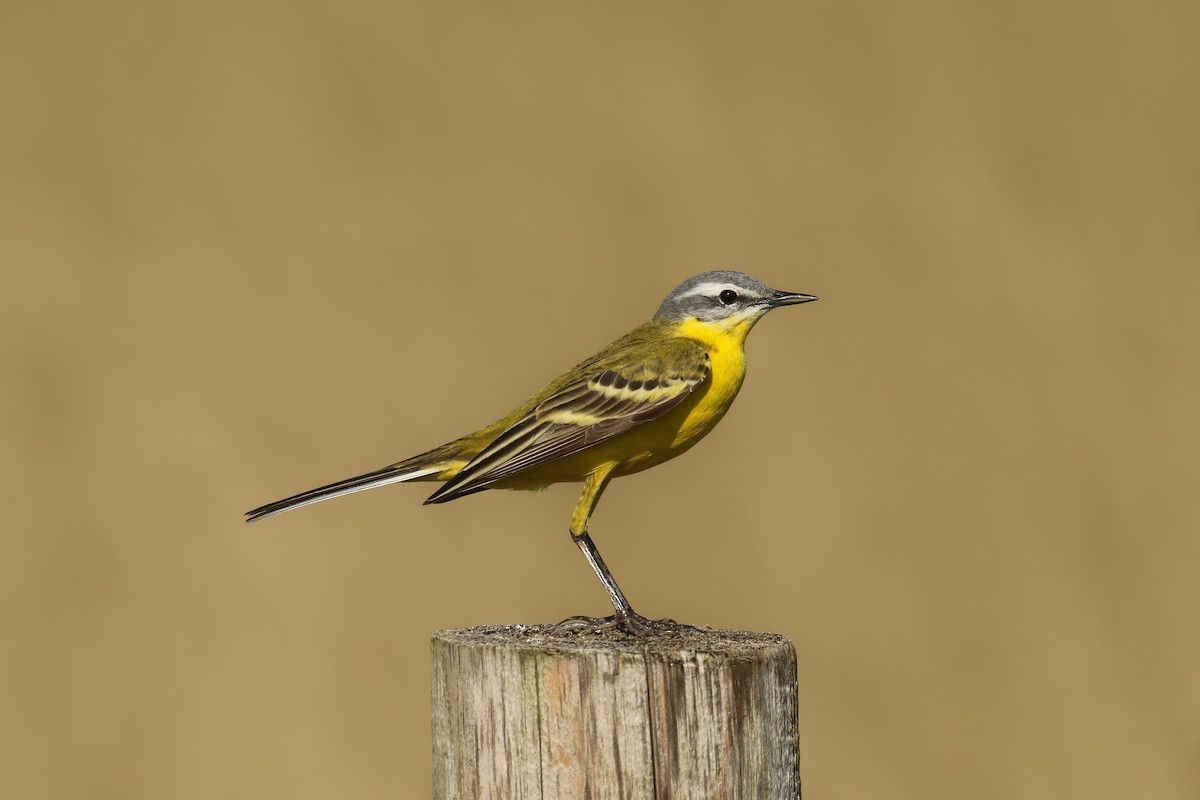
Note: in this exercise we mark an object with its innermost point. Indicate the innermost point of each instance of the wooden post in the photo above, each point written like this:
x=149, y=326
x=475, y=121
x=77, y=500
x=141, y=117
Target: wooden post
x=541, y=712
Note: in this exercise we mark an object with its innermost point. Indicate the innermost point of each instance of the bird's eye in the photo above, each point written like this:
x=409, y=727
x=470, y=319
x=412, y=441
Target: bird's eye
x=728, y=297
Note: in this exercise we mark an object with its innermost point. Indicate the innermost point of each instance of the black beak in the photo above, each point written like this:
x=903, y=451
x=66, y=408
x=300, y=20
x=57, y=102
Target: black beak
x=789, y=299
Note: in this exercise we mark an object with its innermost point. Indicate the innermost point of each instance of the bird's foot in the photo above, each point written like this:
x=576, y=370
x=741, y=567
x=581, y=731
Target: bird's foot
x=629, y=622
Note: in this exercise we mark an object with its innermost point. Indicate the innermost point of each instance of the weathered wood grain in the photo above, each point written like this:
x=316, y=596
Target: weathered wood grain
x=542, y=712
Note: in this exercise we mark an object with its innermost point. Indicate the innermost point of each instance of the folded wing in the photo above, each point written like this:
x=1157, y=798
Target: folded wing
x=614, y=399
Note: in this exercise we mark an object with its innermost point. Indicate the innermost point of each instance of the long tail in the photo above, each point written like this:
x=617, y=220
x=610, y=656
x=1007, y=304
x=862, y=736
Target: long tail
x=397, y=473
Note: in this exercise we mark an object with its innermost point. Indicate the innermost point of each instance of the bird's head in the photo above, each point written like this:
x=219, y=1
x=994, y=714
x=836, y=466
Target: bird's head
x=724, y=300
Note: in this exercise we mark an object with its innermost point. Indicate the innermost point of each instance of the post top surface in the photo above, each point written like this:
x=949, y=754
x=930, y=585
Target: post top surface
x=730, y=643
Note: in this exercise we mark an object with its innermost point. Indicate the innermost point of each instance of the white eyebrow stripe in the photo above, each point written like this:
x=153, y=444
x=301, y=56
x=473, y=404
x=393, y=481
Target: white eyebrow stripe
x=708, y=289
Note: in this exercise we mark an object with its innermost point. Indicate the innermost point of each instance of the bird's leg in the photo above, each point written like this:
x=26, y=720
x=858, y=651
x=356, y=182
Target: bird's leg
x=620, y=604
x=625, y=617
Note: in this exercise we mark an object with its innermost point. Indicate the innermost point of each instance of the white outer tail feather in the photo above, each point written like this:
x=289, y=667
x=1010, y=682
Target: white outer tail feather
x=382, y=481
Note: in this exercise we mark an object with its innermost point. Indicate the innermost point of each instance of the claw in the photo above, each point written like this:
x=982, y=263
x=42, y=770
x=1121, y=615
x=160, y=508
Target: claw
x=638, y=625
x=580, y=622
x=631, y=623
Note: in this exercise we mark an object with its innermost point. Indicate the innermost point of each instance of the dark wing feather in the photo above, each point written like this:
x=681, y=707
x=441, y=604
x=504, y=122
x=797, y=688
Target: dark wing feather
x=606, y=403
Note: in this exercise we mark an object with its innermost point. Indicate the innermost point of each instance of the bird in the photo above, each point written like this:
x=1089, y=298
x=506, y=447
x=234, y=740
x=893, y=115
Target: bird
x=649, y=396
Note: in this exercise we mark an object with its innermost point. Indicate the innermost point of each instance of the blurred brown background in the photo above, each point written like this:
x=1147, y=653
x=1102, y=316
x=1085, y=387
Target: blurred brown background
x=250, y=248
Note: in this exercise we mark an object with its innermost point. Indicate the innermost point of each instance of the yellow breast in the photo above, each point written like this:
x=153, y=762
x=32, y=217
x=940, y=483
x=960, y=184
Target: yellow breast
x=725, y=347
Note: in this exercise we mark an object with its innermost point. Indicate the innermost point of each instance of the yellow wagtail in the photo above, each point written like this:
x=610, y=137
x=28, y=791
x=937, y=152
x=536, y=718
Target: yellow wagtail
x=645, y=398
